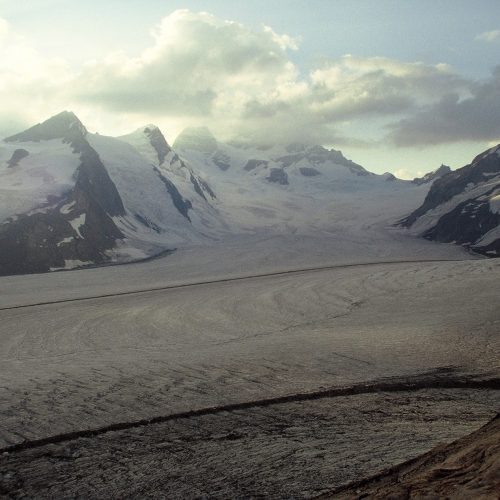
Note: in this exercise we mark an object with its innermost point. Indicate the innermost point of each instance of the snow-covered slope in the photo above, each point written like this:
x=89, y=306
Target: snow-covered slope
x=463, y=206
x=152, y=145
x=70, y=198
x=36, y=173
x=295, y=187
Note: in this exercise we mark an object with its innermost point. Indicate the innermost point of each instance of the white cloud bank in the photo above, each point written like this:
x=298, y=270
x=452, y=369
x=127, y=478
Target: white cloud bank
x=240, y=82
x=489, y=36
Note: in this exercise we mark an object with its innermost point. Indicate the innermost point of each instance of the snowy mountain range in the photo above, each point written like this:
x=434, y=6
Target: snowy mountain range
x=463, y=206
x=294, y=187
x=70, y=198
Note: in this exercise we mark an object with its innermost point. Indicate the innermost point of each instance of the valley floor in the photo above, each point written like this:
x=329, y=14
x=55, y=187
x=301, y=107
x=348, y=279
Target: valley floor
x=401, y=310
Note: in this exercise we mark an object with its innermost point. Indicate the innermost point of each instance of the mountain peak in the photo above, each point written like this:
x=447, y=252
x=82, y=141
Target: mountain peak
x=64, y=125
x=158, y=141
x=431, y=176
x=153, y=136
x=197, y=139
x=146, y=130
x=295, y=147
x=150, y=127
x=488, y=152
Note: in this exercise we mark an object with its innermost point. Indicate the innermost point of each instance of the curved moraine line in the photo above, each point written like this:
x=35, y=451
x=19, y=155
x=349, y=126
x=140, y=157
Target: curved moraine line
x=228, y=280
x=392, y=385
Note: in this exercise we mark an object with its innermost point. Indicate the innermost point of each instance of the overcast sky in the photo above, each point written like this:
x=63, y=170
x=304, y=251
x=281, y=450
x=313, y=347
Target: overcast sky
x=399, y=86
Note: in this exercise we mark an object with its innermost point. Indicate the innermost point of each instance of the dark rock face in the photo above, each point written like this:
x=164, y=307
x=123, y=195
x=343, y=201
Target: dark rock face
x=467, y=222
x=390, y=177
x=30, y=244
x=309, y=172
x=287, y=161
x=278, y=175
x=493, y=249
x=159, y=143
x=93, y=181
x=162, y=148
x=197, y=187
x=182, y=205
x=41, y=241
x=253, y=164
x=206, y=187
x=456, y=182
x=201, y=187
x=222, y=160
x=16, y=157
x=147, y=222
x=432, y=176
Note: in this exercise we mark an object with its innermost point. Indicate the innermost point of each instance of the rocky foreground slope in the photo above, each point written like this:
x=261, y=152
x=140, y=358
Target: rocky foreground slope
x=467, y=468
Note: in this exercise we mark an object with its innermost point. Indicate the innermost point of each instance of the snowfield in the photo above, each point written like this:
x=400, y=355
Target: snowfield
x=38, y=179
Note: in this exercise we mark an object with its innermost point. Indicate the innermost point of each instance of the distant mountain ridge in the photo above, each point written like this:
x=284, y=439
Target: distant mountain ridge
x=201, y=140
x=70, y=198
x=293, y=187
x=432, y=176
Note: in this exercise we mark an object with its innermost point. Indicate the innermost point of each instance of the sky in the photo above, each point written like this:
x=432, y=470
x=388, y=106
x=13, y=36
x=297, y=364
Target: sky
x=397, y=85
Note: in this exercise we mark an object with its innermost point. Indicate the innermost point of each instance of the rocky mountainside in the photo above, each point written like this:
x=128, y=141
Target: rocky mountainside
x=463, y=206
x=466, y=468
x=70, y=198
x=151, y=143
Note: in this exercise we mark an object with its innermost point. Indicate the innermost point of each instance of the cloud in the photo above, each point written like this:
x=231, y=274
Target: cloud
x=198, y=65
x=403, y=173
x=31, y=86
x=489, y=36
x=242, y=82
x=351, y=89
x=379, y=86
x=453, y=119
x=4, y=29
